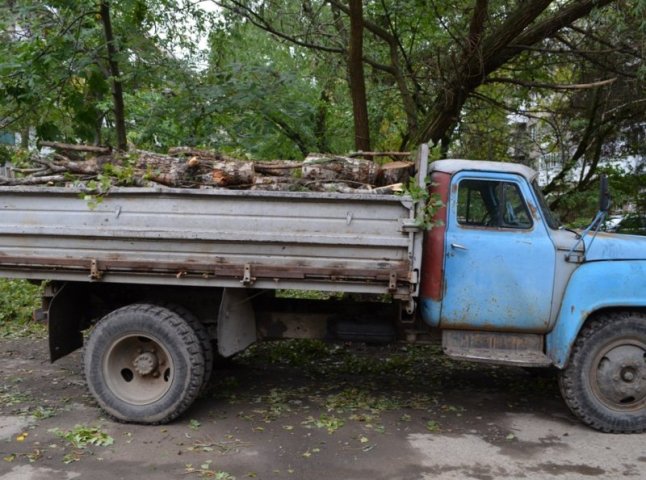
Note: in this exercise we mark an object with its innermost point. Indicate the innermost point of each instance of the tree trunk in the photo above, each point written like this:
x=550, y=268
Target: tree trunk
x=320, y=125
x=518, y=32
x=24, y=138
x=357, y=80
x=117, y=88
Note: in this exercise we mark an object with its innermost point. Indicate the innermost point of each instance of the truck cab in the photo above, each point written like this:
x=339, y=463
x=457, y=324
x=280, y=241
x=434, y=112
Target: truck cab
x=507, y=284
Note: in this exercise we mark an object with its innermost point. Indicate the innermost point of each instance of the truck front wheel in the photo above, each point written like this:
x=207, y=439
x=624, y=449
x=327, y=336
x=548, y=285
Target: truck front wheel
x=604, y=383
x=144, y=364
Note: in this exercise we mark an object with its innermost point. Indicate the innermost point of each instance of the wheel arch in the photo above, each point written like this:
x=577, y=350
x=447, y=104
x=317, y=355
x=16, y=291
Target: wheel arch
x=604, y=382
x=74, y=306
x=595, y=288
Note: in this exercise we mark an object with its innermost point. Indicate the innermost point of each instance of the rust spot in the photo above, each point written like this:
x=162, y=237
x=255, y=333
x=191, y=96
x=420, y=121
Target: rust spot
x=533, y=209
x=433, y=251
x=220, y=268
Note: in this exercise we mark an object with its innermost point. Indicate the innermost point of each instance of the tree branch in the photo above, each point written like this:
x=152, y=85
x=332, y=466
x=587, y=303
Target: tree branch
x=542, y=30
x=263, y=24
x=551, y=86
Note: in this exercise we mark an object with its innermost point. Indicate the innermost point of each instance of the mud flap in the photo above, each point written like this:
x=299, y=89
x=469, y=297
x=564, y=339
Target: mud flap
x=64, y=317
x=236, y=321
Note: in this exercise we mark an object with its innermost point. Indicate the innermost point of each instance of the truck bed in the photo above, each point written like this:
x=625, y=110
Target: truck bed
x=293, y=240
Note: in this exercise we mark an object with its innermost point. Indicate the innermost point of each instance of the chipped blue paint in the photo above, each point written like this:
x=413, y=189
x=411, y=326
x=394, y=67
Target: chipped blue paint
x=614, y=246
x=506, y=280
x=430, y=311
x=593, y=286
x=496, y=279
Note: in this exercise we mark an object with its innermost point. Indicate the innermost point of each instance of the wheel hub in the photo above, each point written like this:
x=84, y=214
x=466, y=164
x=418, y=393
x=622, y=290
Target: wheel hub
x=628, y=375
x=621, y=376
x=138, y=369
x=146, y=363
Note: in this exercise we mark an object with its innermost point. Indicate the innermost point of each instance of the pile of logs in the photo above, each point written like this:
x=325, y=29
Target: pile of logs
x=185, y=167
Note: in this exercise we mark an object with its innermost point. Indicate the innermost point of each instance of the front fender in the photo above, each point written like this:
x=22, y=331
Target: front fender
x=593, y=286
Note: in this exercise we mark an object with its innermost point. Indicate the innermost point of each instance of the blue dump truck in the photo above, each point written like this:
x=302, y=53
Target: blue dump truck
x=166, y=279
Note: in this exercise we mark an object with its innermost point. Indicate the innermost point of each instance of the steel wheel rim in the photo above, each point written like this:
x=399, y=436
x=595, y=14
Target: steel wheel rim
x=138, y=369
x=618, y=375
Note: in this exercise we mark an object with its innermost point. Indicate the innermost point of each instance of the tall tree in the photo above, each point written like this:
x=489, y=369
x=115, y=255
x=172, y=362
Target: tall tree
x=422, y=50
x=357, y=80
x=115, y=77
x=61, y=59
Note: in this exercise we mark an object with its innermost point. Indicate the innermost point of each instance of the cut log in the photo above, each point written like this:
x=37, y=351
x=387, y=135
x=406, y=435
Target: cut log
x=379, y=154
x=48, y=180
x=277, y=167
x=337, y=168
x=199, y=153
x=72, y=147
x=261, y=181
x=277, y=184
x=226, y=174
x=395, y=172
x=389, y=189
x=193, y=168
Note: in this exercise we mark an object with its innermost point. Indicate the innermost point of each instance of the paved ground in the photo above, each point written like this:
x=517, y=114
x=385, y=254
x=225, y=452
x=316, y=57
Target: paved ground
x=303, y=411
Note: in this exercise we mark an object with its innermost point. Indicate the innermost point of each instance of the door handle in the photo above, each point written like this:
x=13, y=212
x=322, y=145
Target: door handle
x=457, y=246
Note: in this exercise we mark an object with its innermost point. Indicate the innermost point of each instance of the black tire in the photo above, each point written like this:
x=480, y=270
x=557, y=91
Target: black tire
x=604, y=383
x=202, y=335
x=144, y=364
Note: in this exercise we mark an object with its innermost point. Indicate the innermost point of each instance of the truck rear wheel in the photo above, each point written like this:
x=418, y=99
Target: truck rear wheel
x=144, y=364
x=604, y=383
x=202, y=335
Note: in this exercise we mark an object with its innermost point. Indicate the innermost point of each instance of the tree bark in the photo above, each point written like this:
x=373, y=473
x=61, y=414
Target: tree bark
x=335, y=168
x=117, y=88
x=73, y=147
x=357, y=79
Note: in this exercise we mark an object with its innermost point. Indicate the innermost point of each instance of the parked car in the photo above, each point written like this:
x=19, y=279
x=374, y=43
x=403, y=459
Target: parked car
x=611, y=223
x=633, y=224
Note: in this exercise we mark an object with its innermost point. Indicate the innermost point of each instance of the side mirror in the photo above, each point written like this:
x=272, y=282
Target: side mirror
x=604, y=195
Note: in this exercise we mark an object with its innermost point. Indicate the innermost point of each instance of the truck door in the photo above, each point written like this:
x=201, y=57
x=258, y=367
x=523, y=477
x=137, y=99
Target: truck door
x=500, y=260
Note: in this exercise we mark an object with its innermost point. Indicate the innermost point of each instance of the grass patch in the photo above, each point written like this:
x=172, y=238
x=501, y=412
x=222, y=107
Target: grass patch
x=18, y=300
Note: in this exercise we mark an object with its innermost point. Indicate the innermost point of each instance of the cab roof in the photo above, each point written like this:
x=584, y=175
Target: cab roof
x=452, y=166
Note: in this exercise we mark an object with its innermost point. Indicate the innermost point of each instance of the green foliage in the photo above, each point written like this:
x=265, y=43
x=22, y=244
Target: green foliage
x=330, y=423
x=54, y=74
x=308, y=294
x=5, y=154
x=296, y=352
x=83, y=436
x=214, y=79
x=428, y=203
x=432, y=426
x=577, y=207
x=18, y=300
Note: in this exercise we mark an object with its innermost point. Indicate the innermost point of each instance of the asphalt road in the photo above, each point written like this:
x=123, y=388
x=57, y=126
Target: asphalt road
x=294, y=411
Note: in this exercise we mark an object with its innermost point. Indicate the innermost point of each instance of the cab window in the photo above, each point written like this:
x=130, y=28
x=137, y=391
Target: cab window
x=493, y=204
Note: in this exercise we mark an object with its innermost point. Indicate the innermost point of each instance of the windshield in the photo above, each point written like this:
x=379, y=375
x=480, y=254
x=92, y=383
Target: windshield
x=550, y=218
